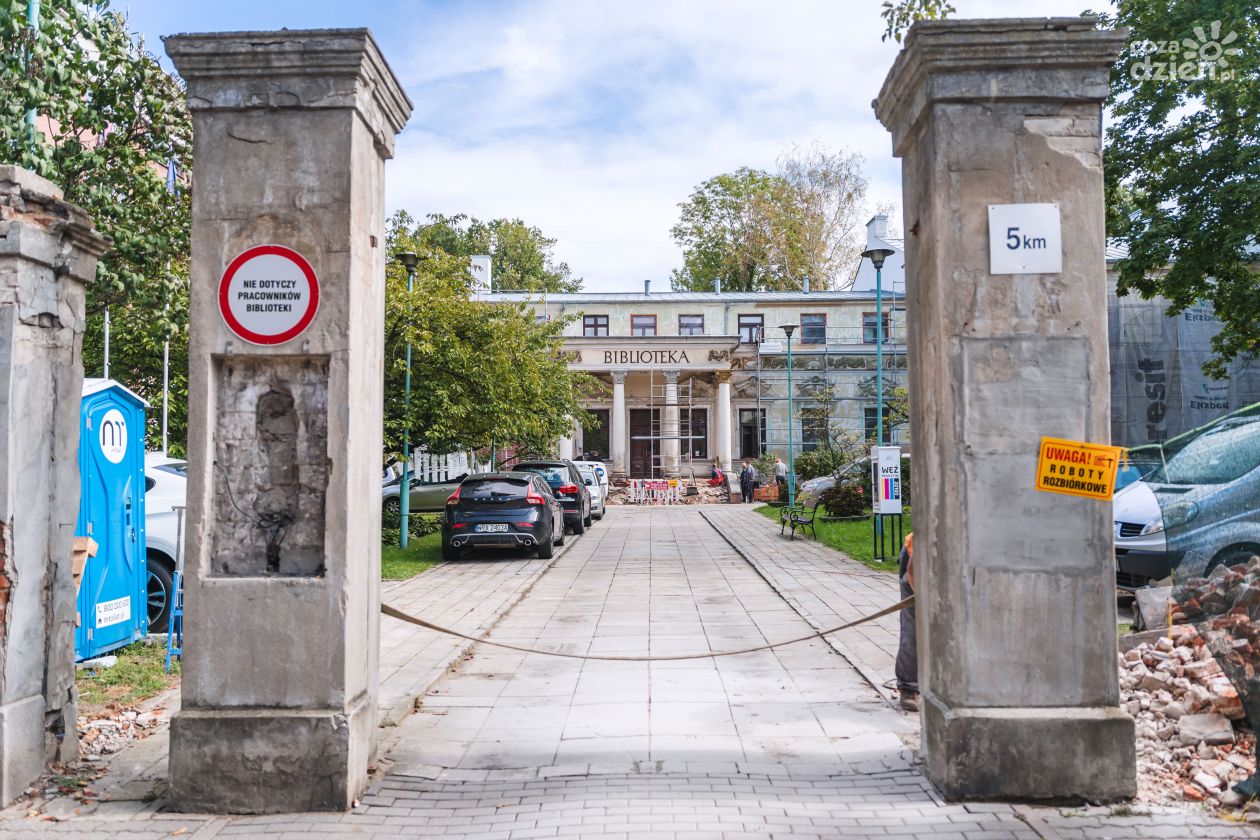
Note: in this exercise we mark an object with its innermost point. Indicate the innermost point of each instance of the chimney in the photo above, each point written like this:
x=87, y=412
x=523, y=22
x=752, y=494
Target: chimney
x=647, y=288
x=717, y=285
x=876, y=228
x=805, y=285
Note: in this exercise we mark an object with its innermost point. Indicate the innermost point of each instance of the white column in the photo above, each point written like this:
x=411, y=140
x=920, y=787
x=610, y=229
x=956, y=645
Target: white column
x=565, y=446
x=618, y=444
x=670, y=448
x=723, y=422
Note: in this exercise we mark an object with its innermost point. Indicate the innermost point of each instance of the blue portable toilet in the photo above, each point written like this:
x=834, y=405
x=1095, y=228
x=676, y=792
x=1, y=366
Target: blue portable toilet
x=112, y=602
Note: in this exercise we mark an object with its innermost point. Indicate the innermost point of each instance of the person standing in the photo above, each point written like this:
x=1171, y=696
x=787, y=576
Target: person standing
x=907, y=666
x=747, y=481
x=780, y=475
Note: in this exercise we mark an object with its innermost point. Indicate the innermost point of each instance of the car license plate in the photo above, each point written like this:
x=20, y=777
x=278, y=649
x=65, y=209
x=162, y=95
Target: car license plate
x=491, y=529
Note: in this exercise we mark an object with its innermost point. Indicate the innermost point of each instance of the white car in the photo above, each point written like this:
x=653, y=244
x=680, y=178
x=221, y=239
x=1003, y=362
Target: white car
x=166, y=487
x=1141, y=545
x=595, y=476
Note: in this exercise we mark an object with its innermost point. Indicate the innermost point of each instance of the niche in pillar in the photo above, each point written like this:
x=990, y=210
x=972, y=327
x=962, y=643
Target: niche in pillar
x=271, y=466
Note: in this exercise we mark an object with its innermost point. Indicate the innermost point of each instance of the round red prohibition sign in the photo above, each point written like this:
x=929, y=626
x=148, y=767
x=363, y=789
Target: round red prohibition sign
x=268, y=294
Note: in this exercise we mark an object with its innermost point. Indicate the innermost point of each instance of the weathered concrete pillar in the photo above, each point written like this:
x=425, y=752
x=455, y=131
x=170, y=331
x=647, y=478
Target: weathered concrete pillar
x=291, y=131
x=1016, y=587
x=671, y=446
x=48, y=252
x=617, y=437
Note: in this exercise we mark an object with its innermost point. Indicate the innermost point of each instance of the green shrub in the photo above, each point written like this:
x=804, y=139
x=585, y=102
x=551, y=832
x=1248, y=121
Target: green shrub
x=844, y=500
x=419, y=525
x=764, y=466
x=819, y=462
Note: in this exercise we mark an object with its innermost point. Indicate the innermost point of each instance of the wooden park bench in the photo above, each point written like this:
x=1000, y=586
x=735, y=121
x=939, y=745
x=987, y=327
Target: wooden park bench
x=798, y=516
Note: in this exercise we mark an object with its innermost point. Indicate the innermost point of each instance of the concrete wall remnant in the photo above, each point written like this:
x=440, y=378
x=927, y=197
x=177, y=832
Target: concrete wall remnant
x=271, y=475
x=1016, y=611
x=48, y=255
x=291, y=131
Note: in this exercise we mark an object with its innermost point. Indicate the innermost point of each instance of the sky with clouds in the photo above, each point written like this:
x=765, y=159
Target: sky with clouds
x=593, y=120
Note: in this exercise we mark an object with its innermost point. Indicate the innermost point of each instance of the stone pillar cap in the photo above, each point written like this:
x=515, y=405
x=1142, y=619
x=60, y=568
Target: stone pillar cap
x=41, y=205
x=1046, y=59
x=292, y=68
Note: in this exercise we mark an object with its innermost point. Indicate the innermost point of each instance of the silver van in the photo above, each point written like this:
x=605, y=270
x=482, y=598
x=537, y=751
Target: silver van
x=1208, y=493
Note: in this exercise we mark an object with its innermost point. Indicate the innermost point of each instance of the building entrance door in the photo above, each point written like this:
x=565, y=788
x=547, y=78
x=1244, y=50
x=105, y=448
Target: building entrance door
x=644, y=460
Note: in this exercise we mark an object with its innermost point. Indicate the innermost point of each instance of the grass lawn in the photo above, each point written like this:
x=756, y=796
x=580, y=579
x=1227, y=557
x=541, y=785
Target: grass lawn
x=420, y=554
x=137, y=676
x=853, y=538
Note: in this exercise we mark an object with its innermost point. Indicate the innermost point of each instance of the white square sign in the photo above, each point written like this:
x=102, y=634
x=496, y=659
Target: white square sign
x=1025, y=239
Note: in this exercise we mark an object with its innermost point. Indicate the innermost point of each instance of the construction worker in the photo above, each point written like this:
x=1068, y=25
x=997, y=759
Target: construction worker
x=907, y=667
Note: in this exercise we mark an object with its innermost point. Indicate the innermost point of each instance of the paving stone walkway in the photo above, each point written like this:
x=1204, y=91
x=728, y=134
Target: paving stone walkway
x=824, y=586
x=470, y=595
x=656, y=581
x=792, y=743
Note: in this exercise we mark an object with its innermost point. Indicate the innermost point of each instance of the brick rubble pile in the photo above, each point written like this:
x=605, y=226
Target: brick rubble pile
x=1184, y=706
x=99, y=737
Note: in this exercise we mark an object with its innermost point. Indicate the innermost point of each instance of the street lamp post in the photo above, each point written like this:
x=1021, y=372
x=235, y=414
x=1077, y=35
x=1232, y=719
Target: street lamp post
x=788, y=329
x=409, y=261
x=877, y=257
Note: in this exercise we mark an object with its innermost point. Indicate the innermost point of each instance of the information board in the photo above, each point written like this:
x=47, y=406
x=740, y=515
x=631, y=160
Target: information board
x=886, y=479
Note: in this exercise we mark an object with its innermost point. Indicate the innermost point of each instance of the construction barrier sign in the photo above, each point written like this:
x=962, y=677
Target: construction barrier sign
x=1077, y=468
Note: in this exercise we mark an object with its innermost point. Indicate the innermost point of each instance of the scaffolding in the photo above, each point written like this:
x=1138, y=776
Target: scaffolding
x=817, y=368
x=658, y=404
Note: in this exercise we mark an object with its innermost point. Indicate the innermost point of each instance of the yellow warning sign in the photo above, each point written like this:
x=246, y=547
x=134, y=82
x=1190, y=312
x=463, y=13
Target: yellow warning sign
x=1078, y=469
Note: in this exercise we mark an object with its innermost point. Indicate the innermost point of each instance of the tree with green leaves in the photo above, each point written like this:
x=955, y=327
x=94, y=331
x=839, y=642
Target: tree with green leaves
x=761, y=231
x=110, y=125
x=1181, y=158
x=1182, y=161
x=482, y=373
x=521, y=255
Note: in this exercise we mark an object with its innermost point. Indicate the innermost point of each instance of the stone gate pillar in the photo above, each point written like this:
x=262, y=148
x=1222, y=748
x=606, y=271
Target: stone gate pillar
x=291, y=131
x=1016, y=589
x=48, y=252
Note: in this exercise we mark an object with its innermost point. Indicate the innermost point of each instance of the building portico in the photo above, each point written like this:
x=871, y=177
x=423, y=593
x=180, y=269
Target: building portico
x=668, y=407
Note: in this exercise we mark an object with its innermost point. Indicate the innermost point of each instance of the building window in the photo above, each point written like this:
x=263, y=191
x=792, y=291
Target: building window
x=870, y=422
x=868, y=327
x=541, y=319
x=752, y=431
x=642, y=325
x=691, y=325
x=595, y=441
x=594, y=326
x=813, y=329
x=750, y=327
x=699, y=443
x=815, y=427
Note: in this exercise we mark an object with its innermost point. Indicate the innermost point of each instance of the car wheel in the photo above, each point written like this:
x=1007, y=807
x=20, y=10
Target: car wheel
x=391, y=509
x=160, y=592
x=1232, y=556
x=546, y=549
x=579, y=526
x=586, y=523
x=563, y=535
x=450, y=553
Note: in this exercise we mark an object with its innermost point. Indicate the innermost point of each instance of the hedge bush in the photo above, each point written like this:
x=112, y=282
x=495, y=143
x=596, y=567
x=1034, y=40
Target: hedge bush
x=843, y=500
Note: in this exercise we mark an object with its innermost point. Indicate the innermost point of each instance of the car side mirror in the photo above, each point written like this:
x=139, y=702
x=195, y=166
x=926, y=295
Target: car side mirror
x=590, y=483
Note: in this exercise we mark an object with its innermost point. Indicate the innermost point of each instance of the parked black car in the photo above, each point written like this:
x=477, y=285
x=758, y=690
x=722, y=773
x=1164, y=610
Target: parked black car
x=502, y=510
x=568, y=486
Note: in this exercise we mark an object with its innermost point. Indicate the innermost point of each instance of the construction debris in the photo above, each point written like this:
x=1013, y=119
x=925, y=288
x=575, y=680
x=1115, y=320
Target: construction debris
x=1184, y=707
x=99, y=737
